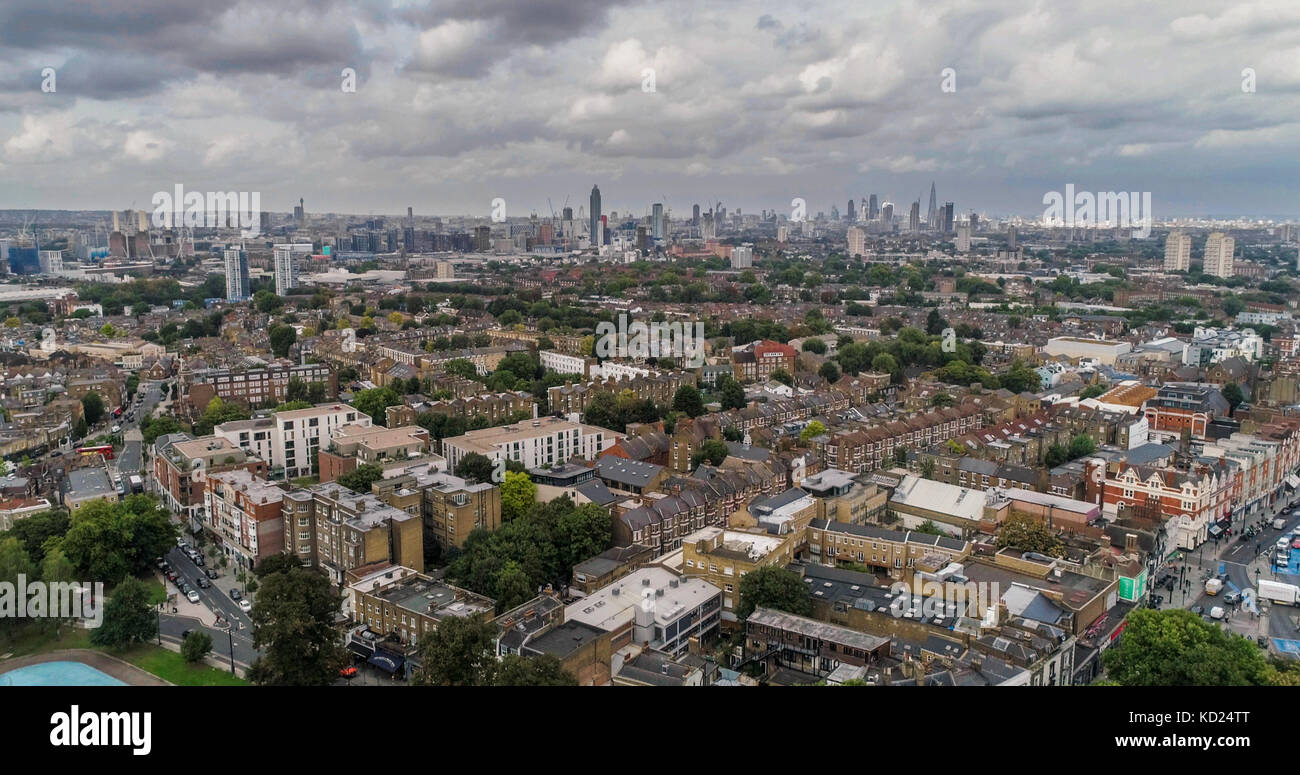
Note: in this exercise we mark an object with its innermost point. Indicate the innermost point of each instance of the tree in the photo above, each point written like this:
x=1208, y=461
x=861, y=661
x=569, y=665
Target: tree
x=293, y=626
x=829, y=372
x=1057, y=454
x=296, y=390
x=276, y=563
x=218, y=412
x=517, y=670
x=1178, y=648
x=1081, y=445
x=375, y=401
x=92, y=408
x=128, y=617
x=518, y=494
x=812, y=430
x=109, y=541
x=513, y=587
x=773, y=587
x=942, y=399
x=884, y=364
x=476, y=468
x=687, y=399
x=782, y=376
x=32, y=532
x=934, y=323
x=1027, y=534
x=267, y=302
x=360, y=478
x=1233, y=395
x=153, y=427
x=733, y=393
x=711, y=451
x=281, y=338
x=900, y=456
x=460, y=652
x=196, y=646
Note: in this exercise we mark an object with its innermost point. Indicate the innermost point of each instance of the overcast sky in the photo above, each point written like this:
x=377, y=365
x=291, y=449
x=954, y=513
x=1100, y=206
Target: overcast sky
x=461, y=101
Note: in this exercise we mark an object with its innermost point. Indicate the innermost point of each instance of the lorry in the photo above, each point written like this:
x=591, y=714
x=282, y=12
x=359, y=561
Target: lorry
x=1212, y=586
x=1278, y=592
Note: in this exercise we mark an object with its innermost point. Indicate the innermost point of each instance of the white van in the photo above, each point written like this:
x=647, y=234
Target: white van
x=1216, y=612
x=1279, y=523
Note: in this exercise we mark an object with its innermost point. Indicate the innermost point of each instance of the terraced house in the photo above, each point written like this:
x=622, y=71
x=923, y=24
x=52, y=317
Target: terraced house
x=872, y=448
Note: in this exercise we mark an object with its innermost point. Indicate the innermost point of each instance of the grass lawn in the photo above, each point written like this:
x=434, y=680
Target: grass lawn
x=306, y=481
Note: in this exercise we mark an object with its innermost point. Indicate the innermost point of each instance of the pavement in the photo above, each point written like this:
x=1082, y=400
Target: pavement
x=216, y=611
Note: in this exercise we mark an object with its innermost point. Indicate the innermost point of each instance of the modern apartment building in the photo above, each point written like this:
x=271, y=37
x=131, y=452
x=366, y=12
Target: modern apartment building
x=652, y=606
x=357, y=445
x=243, y=516
x=534, y=443
x=450, y=507
x=181, y=465
x=403, y=603
x=291, y=440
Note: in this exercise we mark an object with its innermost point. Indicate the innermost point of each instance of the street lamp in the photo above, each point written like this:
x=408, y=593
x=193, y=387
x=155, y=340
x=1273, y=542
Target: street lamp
x=230, y=636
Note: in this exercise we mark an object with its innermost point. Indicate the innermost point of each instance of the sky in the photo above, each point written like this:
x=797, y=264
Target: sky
x=459, y=102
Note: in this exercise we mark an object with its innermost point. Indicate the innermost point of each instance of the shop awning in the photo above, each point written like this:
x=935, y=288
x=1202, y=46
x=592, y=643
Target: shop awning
x=360, y=649
x=1293, y=482
x=390, y=662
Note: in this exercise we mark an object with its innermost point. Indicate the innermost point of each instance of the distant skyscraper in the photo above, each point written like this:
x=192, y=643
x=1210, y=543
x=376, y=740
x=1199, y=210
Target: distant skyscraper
x=742, y=257
x=932, y=216
x=887, y=215
x=594, y=206
x=851, y=215
x=657, y=220
x=285, y=275
x=237, y=274
x=299, y=211
x=1178, y=252
x=1218, y=254
x=873, y=208
x=695, y=216
x=914, y=217
x=1011, y=237
x=947, y=217
x=974, y=222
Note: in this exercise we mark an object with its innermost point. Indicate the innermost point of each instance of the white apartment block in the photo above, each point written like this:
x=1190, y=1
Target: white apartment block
x=286, y=276
x=290, y=440
x=533, y=443
x=1218, y=254
x=564, y=363
x=1178, y=252
x=742, y=257
x=619, y=371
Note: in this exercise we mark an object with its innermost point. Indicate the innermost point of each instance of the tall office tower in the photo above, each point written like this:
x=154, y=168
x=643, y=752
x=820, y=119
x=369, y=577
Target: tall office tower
x=568, y=213
x=695, y=216
x=914, y=217
x=857, y=239
x=708, y=230
x=851, y=215
x=1218, y=254
x=237, y=283
x=974, y=223
x=887, y=215
x=1011, y=237
x=873, y=208
x=285, y=276
x=783, y=234
x=410, y=215
x=1178, y=252
x=642, y=239
x=932, y=217
x=594, y=210
x=742, y=257
x=947, y=217
x=299, y=211
x=657, y=220
x=963, y=236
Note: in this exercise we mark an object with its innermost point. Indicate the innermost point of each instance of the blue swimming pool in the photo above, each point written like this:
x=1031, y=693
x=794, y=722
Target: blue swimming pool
x=58, y=674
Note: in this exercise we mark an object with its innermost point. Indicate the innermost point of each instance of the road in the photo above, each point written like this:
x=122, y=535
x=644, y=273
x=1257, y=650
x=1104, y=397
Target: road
x=131, y=460
x=215, y=598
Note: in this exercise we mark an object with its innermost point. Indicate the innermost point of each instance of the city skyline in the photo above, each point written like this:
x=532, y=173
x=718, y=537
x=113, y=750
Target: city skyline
x=461, y=103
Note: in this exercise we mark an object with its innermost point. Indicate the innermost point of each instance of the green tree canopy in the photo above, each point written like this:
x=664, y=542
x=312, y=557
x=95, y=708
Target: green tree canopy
x=773, y=587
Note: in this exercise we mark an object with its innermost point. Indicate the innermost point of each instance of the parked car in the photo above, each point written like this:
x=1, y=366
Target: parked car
x=245, y=605
x=192, y=596
x=1198, y=610
x=235, y=594
x=210, y=573
x=203, y=582
x=198, y=559
x=185, y=634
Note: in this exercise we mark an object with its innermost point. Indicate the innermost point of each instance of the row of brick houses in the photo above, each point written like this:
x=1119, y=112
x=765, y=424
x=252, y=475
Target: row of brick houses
x=267, y=386
x=506, y=406
x=872, y=448
x=659, y=387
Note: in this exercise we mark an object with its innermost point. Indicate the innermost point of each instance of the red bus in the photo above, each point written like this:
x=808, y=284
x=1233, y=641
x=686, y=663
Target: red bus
x=106, y=450
x=117, y=412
